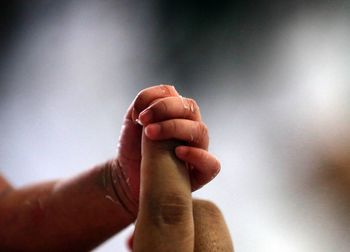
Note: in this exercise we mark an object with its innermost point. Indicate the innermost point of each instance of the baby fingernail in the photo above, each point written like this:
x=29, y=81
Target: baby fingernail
x=181, y=151
x=146, y=116
x=133, y=115
x=152, y=130
x=139, y=122
x=216, y=173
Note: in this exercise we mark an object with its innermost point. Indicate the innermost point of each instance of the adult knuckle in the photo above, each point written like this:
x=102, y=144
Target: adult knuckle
x=171, y=209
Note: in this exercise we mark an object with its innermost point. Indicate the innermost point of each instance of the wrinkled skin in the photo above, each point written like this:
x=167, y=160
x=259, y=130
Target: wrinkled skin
x=179, y=119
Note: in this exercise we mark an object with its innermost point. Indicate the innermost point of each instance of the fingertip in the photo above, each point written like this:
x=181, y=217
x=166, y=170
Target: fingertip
x=218, y=167
x=198, y=179
x=181, y=151
x=145, y=116
x=133, y=115
x=138, y=121
x=216, y=172
x=206, y=166
x=152, y=131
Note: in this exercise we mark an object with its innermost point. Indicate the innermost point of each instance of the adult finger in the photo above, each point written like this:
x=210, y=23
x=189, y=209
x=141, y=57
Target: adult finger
x=165, y=218
x=211, y=231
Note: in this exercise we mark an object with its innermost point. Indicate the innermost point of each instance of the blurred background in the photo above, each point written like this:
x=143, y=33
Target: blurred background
x=271, y=77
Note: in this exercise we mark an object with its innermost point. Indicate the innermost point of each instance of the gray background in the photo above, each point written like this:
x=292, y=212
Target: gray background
x=272, y=80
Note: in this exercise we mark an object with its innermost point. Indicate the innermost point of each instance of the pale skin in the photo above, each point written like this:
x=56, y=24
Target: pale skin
x=79, y=213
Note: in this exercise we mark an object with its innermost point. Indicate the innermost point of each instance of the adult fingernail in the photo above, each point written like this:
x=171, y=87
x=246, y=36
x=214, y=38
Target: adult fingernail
x=152, y=130
x=146, y=116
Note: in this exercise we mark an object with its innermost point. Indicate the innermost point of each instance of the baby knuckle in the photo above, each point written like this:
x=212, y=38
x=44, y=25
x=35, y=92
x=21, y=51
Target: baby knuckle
x=194, y=108
x=167, y=89
x=202, y=131
x=173, y=126
x=162, y=106
x=195, y=104
x=202, y=155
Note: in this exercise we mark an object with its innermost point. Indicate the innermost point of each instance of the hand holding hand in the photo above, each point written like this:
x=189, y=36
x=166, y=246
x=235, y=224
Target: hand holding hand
x=168, y=219
x=164, y=115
